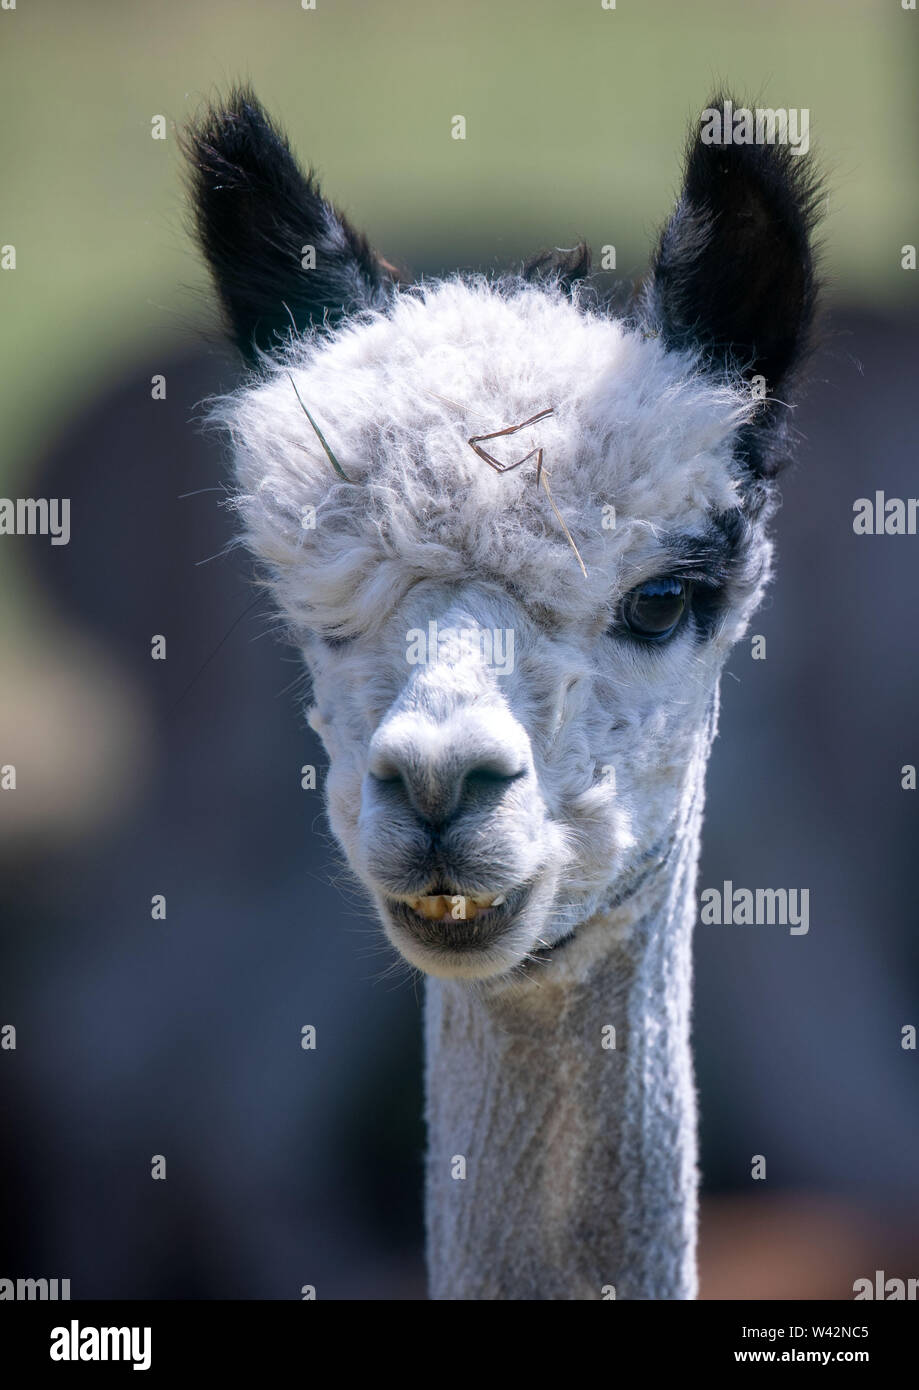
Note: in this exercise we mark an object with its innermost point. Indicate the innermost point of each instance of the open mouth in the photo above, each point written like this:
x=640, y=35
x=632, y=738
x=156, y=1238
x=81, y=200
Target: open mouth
x=436, y=906
x=457, y=921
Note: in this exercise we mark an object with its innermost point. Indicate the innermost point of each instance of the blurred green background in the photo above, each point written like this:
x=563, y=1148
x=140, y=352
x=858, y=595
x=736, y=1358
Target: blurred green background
x=94, y=205
x=575, y=120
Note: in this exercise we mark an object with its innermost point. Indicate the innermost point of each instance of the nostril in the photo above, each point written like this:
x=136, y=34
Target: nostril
x=384, y=769
x=440, y=771
x=387, y=778
x=487, y=777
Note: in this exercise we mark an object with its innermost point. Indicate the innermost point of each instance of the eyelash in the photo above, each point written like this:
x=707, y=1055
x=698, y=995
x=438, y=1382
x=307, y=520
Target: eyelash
x=703, y=600
x=704, y=597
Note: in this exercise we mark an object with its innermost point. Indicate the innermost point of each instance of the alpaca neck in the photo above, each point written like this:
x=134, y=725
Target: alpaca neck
x=559, y=1168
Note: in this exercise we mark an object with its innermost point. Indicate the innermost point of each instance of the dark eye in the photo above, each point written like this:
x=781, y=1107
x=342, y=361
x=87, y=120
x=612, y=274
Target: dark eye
x=653, y=610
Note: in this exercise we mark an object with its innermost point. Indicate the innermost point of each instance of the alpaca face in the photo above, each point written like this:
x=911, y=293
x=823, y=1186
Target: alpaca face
x=512, y=671
x=495, y=726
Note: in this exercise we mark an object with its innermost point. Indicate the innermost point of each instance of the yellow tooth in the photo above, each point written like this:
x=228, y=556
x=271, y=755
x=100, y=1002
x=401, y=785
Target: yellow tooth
x=436, y=906
x=461, y=909
x=432, y=907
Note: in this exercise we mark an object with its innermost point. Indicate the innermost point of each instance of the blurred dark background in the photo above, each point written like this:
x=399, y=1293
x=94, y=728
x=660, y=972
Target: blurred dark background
x=181, y=777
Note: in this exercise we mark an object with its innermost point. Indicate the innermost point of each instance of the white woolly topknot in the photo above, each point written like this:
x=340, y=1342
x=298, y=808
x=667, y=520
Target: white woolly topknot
x=397, y=396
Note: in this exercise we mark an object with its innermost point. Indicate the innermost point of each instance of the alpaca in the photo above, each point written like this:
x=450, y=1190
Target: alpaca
x=515, y=536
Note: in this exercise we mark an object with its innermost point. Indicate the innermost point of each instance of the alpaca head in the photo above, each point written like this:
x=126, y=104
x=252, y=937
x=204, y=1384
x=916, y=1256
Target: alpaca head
x=513, y=672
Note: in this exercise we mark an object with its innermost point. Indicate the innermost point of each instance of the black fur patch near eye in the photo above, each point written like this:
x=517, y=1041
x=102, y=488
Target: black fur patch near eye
x=720, y=565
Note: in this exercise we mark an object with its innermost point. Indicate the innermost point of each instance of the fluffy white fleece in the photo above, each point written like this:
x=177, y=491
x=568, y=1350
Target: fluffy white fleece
x=635, y=427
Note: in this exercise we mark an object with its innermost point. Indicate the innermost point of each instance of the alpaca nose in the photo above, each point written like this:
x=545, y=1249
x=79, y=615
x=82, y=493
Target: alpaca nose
x=440, y=772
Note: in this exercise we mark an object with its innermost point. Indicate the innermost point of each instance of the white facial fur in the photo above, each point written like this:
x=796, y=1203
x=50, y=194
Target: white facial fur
x=428, y=532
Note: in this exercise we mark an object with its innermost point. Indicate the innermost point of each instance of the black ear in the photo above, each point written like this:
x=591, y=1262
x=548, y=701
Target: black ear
x=734, y=268
x=255, y=211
